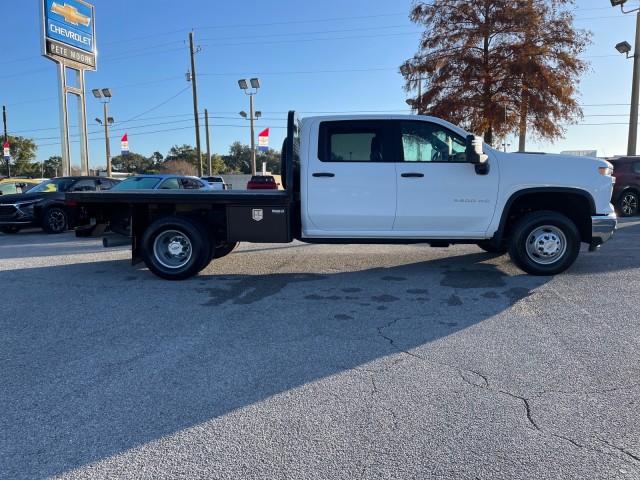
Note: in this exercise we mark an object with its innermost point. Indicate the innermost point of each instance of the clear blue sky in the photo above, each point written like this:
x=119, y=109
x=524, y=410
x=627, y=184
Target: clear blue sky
x=315, y=57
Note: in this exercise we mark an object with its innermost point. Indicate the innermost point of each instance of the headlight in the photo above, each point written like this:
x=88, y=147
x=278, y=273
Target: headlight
x=27, y=205
x=605, y=171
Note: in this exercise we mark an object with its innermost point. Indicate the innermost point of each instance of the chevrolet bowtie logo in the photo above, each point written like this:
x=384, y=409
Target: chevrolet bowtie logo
x=70, y=14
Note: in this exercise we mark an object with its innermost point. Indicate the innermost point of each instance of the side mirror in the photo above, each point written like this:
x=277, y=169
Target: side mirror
x=476, y=156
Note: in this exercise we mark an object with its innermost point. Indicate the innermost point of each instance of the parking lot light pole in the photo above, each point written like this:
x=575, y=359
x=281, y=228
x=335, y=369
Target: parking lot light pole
x=624, y=47
x=255, y=84
x=106, y=94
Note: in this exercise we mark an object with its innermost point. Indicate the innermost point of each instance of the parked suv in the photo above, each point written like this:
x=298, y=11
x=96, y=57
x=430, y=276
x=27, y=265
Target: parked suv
x=626, y=190
x=44, y=205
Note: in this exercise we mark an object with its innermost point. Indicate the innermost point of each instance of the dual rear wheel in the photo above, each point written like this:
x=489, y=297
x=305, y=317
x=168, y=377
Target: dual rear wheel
x=175, y=248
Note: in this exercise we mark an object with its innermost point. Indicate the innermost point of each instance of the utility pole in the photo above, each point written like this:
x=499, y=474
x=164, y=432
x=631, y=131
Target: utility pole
x=206, y=128
x=633, y=116
x=195, y=103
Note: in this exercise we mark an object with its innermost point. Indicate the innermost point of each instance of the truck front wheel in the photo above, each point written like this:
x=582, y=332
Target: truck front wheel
x=175, y=248
x=544, y=243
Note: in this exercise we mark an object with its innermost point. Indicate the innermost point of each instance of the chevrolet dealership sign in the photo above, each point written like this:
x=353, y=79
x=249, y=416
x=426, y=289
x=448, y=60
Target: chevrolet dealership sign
x=69, y=32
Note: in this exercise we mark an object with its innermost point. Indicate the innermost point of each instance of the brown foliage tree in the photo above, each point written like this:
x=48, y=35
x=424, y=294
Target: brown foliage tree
x=178, y=167
x=492, y=66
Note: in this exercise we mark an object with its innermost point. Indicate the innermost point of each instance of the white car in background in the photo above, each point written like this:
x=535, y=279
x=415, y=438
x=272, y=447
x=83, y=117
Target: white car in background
x=216, y=182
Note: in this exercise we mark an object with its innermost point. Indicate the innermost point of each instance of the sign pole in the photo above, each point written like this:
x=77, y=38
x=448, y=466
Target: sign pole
x=64, y=120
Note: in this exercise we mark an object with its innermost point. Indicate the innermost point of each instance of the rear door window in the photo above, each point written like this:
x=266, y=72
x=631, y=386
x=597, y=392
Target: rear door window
x=354, y=141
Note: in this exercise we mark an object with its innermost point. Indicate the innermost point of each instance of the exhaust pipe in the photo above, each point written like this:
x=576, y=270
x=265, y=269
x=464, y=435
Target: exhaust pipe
x=116, y=241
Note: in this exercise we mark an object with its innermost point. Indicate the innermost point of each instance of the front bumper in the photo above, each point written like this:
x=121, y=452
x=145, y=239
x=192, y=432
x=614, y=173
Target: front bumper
x=602, y=227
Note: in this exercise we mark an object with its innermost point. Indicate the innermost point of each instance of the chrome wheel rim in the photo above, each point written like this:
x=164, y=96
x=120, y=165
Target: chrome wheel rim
x=57, y=220
x=172, y=249
x=546, y=244
x=629, y=204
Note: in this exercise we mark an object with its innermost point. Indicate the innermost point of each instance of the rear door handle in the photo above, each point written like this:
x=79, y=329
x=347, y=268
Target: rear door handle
x=323, y=174
x=412, y=175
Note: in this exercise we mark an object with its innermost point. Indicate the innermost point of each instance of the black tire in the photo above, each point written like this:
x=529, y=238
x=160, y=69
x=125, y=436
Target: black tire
x=544, y=243
x=9, y=230
x=628, y=204
x=489, y=247
x=55, y=220
x=175, y=248
x=224, y=249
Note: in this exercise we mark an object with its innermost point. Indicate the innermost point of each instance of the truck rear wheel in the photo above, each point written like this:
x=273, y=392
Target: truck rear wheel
x=224, y=249
x=544, y=243
x=175, y=248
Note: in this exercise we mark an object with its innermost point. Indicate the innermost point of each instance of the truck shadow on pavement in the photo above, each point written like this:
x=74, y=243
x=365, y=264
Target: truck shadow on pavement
x=107, y=373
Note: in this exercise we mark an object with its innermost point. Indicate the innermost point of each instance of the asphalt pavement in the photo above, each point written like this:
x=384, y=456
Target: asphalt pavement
x=301, y=361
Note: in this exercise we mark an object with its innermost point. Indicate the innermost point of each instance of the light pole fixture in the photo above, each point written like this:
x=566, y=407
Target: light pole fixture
x=625, y=48
x=255, y=85
x=104, y=95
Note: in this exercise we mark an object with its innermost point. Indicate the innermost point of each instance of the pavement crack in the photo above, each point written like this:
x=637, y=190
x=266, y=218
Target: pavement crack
x=623, y=451
x=374, y=387
x=474, y=378
x=527, y=407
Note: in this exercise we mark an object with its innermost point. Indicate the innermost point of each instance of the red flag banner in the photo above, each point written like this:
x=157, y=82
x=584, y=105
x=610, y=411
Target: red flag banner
x=263, y=140
x=124, y=145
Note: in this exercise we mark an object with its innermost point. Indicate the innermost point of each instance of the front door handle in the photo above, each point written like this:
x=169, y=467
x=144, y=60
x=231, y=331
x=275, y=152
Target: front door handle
x=412, y=175
x=323, y=174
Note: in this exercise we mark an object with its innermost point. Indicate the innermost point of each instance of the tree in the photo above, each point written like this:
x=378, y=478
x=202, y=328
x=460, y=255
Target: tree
x=156, y=159
x=185, y=153
x=132, y=163
x=477, y=61
x=239, y=158
x=53, y=166
x=178, y=167
x=549, y=70
x=217, y=164
x=23, y=151
x=271, y=158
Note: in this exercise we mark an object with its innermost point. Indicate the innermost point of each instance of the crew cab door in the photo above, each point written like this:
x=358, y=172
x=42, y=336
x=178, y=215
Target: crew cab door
x=350, y=177
x=439, y=193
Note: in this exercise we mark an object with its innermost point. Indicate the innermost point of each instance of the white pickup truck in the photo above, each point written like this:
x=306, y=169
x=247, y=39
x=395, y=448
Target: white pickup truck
x=375, y=179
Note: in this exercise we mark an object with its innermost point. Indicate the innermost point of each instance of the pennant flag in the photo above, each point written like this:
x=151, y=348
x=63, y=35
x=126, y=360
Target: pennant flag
x=124, y=145
x=7, y=155
x=263, y=140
